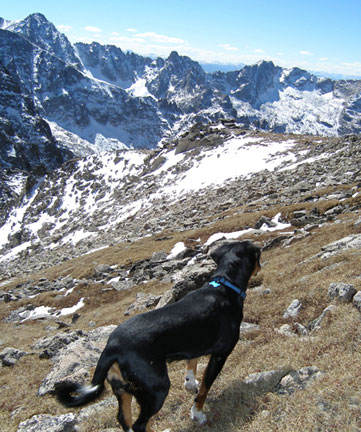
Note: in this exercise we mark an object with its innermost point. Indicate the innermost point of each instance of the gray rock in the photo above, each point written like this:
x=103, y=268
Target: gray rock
x=264, y=220
x=352, y=241
x=293, y=309
x=357, y=300
x=50, y=346
x=168, y=297
x=143, y=302
x=298, y=380
x=9, y=356
x=17, y=315
x=263, y=382
x=74, y=362
x=158, y=257
x=295, y=330
x=248, y=328
x=193, y=278
x=102, y=269
x=341, y=291
x=317, y=323
x=96, y=408
x=122, y=285
x=49, y=423
x=300, y=329
x=286, y=330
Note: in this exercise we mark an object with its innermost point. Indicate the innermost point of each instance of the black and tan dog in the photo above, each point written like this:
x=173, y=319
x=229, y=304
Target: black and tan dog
x=204, y=322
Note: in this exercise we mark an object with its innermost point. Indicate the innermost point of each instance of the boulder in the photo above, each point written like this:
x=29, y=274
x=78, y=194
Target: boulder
x=168, y=297
x=298, y=380
x=49, y=423
x=264, y=382
x=50, y=346
x=9, y=356
x=248, y=328
x=294, y=330
x=193, y=278
x=73, y=363
x=341, y=291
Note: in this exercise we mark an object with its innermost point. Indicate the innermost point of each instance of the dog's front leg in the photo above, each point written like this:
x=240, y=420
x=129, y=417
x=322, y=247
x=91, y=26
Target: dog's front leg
x=190, y=382
x=210, y=374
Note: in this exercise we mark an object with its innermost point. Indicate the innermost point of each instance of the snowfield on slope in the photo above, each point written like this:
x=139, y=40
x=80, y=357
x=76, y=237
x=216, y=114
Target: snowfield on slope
x=103, y=178
x=237, y=157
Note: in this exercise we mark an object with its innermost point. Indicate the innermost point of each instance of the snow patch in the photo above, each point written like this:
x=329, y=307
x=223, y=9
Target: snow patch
x=235, y=235
x=177, y=249
x=139, y=89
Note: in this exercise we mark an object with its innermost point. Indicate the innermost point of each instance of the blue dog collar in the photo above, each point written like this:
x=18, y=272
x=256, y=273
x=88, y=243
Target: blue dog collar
x=222, y=281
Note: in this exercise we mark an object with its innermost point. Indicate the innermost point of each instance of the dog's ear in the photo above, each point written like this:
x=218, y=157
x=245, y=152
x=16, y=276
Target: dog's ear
x=218, y=253
x=246, y=248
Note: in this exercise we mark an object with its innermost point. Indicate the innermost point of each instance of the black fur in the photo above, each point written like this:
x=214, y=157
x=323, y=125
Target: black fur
x=204, y=322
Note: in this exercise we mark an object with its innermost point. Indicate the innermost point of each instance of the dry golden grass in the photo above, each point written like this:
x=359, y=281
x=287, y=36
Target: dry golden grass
x=332, y=403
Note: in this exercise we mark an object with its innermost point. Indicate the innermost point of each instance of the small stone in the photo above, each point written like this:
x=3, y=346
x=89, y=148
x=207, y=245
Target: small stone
x=357, y=300
x=293, y=309
x=9, y=356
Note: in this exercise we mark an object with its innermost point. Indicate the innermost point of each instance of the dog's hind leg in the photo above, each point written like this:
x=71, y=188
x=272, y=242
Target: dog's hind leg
x=150, y=403
x=151, y=393
x=210, y=374
x=190, y=382
x=125, y=411
x=124, y=399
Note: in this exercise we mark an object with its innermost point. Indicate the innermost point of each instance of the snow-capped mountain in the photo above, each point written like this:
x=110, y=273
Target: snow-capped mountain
x=97, y=98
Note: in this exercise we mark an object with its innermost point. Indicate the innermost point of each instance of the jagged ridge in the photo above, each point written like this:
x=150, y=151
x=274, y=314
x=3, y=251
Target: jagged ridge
x=98, y=97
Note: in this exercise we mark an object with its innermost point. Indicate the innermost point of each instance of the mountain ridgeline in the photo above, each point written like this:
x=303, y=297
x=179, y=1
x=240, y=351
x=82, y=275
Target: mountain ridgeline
x=59, y=100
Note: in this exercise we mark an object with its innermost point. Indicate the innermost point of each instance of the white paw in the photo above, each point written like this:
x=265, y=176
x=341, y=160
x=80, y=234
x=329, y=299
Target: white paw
x=190, y=382
x=198, y=416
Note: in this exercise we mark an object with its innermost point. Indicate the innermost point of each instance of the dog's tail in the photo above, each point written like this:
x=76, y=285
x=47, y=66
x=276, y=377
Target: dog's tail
x=72, y=394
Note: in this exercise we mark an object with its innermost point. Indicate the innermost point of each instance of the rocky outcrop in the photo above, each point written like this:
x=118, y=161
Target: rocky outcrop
x=73, y=357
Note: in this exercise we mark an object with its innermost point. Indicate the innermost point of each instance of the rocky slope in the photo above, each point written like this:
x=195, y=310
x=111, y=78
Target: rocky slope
x=109, y=236
x=98, y=98
x=121, y=196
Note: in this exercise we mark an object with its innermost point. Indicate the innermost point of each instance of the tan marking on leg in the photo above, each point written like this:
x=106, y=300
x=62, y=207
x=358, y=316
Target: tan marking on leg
x=192, y=365
x=201, y=396
x=190, y=381
x=256, y=269
x=149, y=426
x=197, y=413
x=126, y=401
x=114, y=373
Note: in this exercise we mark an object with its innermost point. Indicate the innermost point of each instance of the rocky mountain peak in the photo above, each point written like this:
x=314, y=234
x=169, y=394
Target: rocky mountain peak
x=41, y=32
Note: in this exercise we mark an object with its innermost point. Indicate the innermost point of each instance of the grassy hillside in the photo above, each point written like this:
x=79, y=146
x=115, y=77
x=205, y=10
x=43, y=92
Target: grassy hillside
x=332, y=403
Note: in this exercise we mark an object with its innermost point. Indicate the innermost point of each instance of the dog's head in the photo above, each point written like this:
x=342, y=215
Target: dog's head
x=237, y=261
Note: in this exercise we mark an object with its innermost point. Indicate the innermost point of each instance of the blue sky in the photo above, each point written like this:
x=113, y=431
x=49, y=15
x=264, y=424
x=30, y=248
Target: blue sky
x=317, y=35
